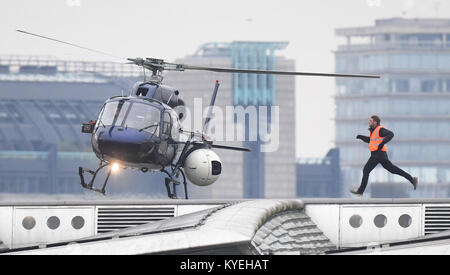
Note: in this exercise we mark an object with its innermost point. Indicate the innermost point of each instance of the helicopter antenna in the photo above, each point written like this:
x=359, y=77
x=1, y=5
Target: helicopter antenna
x=143, y=70
x=211, y=105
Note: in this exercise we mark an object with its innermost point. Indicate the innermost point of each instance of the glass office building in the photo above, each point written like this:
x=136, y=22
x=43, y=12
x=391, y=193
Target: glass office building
x=412, y=98
x=319, y=177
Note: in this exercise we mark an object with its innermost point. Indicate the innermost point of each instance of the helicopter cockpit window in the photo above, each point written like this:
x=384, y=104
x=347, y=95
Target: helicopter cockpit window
x=131, y=115
x=143, y=117
x=113, y=113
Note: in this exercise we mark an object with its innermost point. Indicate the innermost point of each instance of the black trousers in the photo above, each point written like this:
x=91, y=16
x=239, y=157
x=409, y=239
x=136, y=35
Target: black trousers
x=373, y=161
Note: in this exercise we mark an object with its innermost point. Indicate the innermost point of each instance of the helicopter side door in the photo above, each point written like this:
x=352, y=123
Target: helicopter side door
x=166, y=126
x=175, y=129
x=167, y=146
x=165, y=133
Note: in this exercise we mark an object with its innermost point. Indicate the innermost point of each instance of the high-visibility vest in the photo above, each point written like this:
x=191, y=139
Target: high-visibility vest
x=375, y=140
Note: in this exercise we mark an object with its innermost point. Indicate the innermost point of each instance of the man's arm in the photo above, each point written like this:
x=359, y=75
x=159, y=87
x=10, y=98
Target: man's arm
x=363, y=138
x=386, y=135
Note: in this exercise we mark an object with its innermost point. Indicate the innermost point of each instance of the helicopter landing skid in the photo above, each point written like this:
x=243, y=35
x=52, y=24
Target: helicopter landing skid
x=90, y=185
x=175, y=183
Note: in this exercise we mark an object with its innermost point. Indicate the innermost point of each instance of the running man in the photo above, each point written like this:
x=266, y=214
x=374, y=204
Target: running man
x=379, y=136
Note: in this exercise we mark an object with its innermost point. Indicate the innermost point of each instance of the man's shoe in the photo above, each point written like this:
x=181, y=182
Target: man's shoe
x=355, y=191
x=415, y=182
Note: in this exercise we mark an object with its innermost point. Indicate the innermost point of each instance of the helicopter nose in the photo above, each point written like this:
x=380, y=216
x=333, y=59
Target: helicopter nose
x=125, y=144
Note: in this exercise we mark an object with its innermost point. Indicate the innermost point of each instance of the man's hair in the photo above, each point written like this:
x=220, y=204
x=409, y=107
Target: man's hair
x=376, y=118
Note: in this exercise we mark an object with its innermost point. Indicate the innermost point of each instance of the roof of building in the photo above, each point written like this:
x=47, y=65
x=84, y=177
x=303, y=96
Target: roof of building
x=435, y=244
x=250, y=227
x=265, y=226
x=399, y=25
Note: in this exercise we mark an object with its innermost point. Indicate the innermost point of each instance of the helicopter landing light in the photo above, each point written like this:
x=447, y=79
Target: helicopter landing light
x=115, y=167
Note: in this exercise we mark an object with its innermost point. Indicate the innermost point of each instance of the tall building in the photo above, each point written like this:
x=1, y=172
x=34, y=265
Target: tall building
x=257, y=174
x=412, y=98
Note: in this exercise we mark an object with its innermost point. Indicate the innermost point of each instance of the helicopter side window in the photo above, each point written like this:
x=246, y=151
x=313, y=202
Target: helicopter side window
x=147, y=90
x=175, y=125
x=107, y=115
x=98, y=119
x=166, y=126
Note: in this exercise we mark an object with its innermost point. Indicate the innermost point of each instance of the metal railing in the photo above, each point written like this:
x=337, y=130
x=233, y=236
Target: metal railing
x=401, y=45
x=104, y=68
x=30, y=155
x=316, y=161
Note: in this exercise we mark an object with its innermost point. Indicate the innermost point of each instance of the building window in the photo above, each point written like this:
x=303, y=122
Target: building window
x=444, y=61
x=4, y=117
x=399, y=61
x=405, y=221
x=380, y=221
x=355, y=221
x=402, y=85
x=341, y=64
x=77, y=222
x=28, y=223
x=428, y=86
x=428, y=61
x=53, y=222
x=240, y=80
x=14, y=113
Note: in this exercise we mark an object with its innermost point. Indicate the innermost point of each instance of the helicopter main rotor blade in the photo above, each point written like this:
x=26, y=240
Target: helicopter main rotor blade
x=70, y=44
x=160, y=65
x=229, y=70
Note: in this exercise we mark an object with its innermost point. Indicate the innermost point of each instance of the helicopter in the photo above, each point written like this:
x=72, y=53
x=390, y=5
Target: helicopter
x=142, y=130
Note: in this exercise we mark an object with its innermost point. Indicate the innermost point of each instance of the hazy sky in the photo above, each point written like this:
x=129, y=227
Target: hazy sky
x=172, y=29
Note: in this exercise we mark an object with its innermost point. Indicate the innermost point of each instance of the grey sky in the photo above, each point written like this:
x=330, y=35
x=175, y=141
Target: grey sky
x=172, y=29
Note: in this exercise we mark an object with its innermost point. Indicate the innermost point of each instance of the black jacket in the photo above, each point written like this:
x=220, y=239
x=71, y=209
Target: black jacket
x=385, y=134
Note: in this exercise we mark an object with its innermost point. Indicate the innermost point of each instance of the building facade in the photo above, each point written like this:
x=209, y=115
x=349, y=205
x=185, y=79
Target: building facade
x=319, y=177
x=412, y=98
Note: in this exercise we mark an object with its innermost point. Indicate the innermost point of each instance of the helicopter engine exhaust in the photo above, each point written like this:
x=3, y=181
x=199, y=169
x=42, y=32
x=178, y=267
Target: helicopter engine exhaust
x=203, y=167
